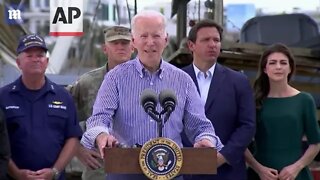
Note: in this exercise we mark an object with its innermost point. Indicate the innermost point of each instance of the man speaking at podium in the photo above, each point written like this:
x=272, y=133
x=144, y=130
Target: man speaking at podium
x=118, y=116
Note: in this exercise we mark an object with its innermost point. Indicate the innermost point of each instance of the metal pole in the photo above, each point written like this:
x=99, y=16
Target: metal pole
x=135, y=7
x=160, y=129
x=181, y=21
x=218, y=12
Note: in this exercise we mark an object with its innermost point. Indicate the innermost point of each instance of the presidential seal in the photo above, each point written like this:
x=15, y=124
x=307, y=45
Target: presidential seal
x=160, y=158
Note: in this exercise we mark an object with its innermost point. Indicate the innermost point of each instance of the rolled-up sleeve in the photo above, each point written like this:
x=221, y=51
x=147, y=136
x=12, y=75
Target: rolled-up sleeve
x=104, y=108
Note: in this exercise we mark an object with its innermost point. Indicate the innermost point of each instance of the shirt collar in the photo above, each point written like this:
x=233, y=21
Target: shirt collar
x=18, y=85
x=210, y=71
x=142, y=70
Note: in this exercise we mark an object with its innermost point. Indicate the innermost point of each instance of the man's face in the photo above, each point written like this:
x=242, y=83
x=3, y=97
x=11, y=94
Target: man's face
x=118, y=51
x=33, y=61
x=149, y=38
x=207, y=46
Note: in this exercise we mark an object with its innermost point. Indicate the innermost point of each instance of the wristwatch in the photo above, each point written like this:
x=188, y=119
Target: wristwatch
x=56, y=173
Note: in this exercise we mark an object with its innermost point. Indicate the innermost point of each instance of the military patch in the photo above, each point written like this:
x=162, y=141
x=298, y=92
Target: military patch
x=57, y=102
x=57, y=105
x=160, y=158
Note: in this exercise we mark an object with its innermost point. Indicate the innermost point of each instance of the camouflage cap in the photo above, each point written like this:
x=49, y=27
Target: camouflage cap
x=117, y=32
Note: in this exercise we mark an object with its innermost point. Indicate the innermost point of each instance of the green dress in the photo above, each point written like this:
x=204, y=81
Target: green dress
x=281, y=124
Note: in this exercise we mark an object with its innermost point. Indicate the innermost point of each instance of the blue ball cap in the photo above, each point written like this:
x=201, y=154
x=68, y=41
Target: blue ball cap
x=29, y=41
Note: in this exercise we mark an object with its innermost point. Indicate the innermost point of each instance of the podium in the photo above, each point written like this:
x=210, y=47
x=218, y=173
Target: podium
x=126, y=161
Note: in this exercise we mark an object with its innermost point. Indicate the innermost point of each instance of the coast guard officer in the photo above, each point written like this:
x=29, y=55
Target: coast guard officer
x=40, y=115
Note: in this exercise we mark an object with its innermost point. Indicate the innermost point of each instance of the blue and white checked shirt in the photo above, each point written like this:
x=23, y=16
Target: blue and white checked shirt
x=117, y=108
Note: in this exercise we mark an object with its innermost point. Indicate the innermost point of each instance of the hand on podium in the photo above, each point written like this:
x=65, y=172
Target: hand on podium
x=203, y=143
x=105, y=140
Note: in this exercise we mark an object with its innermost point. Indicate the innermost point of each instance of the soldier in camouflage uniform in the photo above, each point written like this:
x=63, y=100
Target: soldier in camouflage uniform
x=118, y=49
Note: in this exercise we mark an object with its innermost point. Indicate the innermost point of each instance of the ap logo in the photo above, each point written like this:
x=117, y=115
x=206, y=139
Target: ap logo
x=66, y=17
x=13, y=14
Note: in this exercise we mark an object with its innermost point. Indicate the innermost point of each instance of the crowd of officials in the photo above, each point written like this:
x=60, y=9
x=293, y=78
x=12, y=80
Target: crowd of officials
x=216, y=107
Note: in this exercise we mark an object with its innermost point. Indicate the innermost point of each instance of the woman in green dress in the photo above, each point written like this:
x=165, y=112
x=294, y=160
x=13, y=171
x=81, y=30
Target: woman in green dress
x=284, y=116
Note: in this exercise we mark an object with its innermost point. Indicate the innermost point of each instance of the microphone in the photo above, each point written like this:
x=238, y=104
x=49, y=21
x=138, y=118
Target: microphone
x=168, y=100
x=149, y=100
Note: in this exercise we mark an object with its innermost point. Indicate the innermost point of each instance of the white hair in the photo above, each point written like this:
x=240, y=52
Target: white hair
x=148, y=13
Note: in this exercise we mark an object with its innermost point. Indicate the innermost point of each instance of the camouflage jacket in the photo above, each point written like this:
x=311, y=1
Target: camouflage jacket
x=84, y=91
